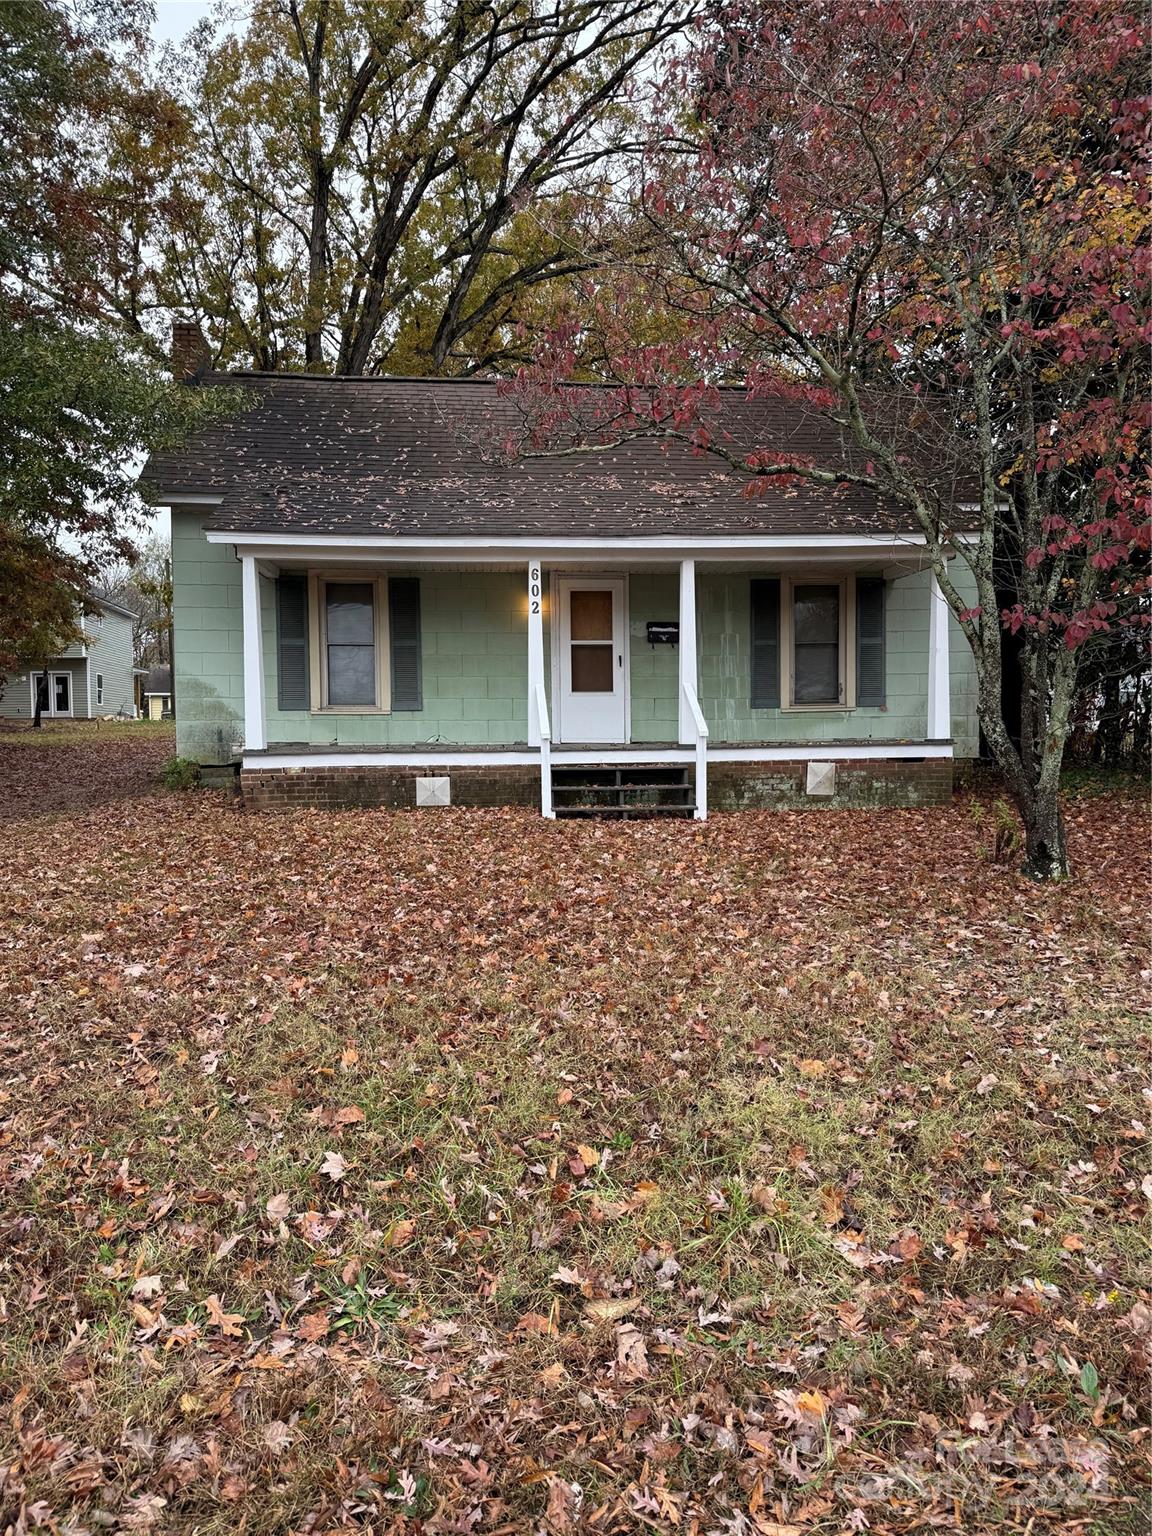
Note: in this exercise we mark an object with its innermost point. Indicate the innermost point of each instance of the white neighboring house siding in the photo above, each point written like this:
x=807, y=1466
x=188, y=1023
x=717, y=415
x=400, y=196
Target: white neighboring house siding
x=108, y=651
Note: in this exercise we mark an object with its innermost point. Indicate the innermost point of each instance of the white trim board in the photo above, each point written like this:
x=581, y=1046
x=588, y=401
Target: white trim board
x=514, y=758
x=514, y=550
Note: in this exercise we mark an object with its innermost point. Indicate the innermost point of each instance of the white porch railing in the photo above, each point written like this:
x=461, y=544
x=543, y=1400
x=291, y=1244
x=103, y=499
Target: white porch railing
x=545, y=728
x=692, y=704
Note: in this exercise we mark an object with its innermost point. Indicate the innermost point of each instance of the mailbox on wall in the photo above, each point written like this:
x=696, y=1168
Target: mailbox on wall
x=661, y=633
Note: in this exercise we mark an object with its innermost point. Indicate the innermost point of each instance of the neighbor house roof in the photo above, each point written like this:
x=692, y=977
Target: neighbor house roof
x=158, y=680
x=426, y=457
x=94, y=600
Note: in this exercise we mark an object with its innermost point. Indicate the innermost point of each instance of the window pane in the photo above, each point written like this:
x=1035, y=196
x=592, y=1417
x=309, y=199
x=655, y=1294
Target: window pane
x=592, y=668
x=61, y=693
x=817, y=674
x=349, y=612
x=816, y=644
x=816, y=614
x=352, y=674
x=591, y=615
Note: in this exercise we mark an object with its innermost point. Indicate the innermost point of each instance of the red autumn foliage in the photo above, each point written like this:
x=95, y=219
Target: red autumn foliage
x=929, y=222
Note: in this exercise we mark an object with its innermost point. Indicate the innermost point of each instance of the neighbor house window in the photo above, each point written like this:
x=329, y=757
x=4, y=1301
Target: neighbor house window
x=817, y=649
x=99, y=687
x=350, y=629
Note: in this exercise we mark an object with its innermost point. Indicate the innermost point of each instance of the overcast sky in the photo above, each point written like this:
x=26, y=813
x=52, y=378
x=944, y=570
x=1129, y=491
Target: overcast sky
x=176, y=18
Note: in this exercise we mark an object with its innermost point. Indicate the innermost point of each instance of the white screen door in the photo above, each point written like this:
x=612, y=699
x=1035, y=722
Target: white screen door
x=593, y=660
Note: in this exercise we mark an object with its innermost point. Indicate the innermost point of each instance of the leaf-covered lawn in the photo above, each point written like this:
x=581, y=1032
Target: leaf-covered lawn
x=69, y=765
x=459, y=1172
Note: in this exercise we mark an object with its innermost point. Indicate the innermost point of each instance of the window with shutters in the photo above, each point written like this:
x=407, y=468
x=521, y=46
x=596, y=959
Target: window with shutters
x=348, y=630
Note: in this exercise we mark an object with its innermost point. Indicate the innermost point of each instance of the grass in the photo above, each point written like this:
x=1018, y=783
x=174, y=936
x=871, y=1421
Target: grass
x=323, y=1136
x=88, y=733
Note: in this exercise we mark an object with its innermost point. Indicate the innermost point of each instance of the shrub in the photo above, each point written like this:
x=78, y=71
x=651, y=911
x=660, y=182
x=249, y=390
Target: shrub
x=180, y=773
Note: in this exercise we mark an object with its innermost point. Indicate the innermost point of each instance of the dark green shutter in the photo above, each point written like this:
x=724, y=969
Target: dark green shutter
x=404, y=638
x=292, y=641
x=870, y=640
x=766, y=643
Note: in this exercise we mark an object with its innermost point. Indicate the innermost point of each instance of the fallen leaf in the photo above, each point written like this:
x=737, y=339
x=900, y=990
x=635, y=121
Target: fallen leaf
x=277, y=1437
x=227, y=1322
x=535, y=1322
x=631, y=1351
x=610, y=1310
x=812, y=1401
x=312, y=1327
x=334, y=1166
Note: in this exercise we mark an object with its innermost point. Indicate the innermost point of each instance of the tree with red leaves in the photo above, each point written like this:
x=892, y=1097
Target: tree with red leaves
x=928, y=221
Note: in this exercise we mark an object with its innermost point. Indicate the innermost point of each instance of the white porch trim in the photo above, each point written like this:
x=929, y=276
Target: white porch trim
x=535, y=647
x=939, y=667
x=689, y=679
x=254, y=731
x=673, y=756
x=449, y=550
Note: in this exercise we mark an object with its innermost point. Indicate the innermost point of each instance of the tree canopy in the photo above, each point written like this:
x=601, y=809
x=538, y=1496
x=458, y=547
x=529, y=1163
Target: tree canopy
x=80, y=401
x=354, y=186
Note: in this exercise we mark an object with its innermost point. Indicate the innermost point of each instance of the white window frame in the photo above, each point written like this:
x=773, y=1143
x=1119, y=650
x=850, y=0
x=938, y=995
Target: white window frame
x=318, y=582
x=847, y=658
x=99, y=688
x=52, y=713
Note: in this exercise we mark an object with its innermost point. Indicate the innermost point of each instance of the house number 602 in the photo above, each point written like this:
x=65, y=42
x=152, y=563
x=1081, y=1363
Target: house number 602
x=534, y=587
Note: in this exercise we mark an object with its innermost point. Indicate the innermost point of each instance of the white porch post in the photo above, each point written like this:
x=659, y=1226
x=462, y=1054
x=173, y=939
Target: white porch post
x=939, y=677
x=687, y=648
x=255, y=739
x=535, y=646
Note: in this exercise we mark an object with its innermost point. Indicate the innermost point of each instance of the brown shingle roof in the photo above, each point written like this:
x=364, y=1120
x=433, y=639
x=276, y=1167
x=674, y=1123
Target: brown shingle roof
x=426, y=457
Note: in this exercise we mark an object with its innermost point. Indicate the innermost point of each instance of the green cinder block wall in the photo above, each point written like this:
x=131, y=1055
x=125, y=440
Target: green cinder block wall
x=474, y=661
x=475, y=664
x=207, y=644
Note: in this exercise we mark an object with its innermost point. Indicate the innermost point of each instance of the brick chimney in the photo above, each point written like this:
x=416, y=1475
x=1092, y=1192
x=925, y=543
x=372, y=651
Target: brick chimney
x=191, y=355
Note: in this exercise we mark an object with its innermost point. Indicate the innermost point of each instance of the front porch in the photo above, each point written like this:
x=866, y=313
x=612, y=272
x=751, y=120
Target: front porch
x=379, y=672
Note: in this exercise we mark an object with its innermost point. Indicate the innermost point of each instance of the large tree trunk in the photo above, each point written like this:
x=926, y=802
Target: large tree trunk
x=1045, y=845
x=1032, y=778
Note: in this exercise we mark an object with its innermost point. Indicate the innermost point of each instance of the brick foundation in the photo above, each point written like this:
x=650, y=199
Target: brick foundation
x=352, y=788
x=781, y=786
x=731, y=786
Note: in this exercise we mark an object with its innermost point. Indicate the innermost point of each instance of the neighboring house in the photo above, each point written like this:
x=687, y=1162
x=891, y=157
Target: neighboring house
x=373, y=606
x=93, y=677
x=158, y=692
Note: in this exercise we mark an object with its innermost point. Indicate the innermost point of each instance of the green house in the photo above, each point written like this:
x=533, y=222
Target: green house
x=376, y=603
